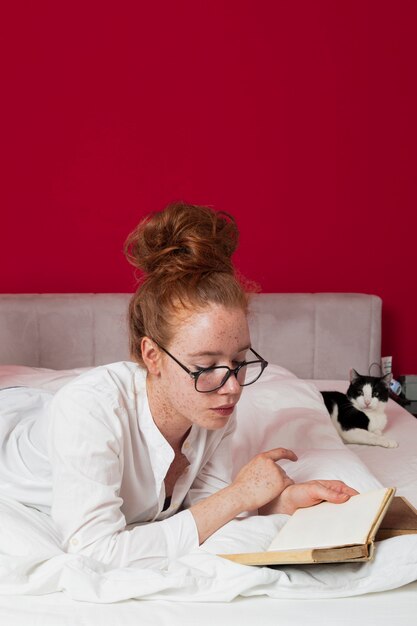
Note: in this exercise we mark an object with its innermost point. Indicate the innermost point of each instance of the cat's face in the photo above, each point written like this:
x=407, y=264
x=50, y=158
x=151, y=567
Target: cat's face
x=367, y=393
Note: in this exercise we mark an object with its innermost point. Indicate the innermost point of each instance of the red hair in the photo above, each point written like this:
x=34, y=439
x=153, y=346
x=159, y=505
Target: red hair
x=184, y=253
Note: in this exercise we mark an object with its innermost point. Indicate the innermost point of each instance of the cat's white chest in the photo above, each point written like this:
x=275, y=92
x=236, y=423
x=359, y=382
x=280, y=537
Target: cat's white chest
x=377, y=420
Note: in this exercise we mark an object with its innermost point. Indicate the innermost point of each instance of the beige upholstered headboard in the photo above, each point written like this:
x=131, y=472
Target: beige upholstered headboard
x=314, y=335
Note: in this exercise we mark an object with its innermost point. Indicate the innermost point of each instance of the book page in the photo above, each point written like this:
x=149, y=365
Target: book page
x=327, y=524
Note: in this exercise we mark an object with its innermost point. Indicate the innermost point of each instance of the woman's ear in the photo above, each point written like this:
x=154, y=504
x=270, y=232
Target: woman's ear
x=151, y=355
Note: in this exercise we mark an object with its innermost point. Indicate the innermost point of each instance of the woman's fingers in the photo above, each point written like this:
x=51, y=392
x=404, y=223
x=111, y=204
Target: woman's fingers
x=262, y=479
x=332, y=491
x=301, y=495
x=339, y=486
x=276, y=454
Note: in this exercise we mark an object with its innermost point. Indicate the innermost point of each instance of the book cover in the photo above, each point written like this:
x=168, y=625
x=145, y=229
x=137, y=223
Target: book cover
x=401, y=519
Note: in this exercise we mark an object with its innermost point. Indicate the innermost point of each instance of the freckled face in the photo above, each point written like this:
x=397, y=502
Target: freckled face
x=213, y=336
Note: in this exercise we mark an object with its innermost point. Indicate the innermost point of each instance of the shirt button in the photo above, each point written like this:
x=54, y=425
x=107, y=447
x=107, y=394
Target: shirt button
x=186, y=445
x=175, y=505
x=74, y=541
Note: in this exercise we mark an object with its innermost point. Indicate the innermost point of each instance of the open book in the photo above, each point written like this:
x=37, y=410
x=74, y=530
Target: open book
x=327, y=533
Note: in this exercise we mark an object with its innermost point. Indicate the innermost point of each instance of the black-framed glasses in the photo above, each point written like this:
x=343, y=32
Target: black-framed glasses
x=208, y=379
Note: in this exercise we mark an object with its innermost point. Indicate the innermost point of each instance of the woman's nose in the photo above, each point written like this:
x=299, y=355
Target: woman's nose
x=231, y=385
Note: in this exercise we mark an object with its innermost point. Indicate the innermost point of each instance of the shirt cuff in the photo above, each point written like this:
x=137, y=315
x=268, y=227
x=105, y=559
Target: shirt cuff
x=181, y=534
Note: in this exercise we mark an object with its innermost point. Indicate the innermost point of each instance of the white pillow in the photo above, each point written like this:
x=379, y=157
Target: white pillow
x=37, y=377
x=281, y=410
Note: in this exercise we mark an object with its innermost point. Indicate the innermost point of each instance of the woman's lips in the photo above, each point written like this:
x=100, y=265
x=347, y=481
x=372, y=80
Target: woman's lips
x=225, y=411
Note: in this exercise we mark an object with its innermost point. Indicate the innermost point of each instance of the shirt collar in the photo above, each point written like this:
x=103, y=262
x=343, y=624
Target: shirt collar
x=161, y=453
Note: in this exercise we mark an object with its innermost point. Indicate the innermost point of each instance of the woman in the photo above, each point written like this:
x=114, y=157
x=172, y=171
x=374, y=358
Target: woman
x=138, y=453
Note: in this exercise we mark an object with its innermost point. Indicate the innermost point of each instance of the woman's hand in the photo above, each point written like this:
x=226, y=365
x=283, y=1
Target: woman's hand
x=262, y=480
x=301, y=495
x=258, y=482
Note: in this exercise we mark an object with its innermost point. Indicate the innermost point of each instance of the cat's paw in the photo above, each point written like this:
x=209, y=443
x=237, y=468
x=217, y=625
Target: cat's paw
x=388, y=443
x=377, y=432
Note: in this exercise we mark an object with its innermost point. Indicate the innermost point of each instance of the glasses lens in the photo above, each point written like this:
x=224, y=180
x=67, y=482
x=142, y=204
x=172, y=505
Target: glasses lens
x=211, y=379
x=214, y=378
x=251, y=372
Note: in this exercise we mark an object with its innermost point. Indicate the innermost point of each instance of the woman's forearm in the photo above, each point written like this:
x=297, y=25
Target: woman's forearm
x=213, y=512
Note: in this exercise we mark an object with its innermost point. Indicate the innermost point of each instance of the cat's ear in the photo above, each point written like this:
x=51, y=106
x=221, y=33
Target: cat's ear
x=353, y=375
x=387, y=379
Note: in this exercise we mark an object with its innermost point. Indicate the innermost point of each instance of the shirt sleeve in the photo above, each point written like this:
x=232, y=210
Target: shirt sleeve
x=216, y=472
x=85, y=445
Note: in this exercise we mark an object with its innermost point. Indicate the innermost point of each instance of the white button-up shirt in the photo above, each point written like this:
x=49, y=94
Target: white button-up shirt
x=109, y=462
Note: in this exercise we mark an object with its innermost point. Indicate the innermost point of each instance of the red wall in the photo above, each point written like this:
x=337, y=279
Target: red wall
x=298, y=117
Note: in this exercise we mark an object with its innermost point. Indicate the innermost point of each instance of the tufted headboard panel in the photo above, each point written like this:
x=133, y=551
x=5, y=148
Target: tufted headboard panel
x=317, y=335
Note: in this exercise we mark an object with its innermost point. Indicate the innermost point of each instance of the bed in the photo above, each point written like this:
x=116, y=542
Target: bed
x=311, y=342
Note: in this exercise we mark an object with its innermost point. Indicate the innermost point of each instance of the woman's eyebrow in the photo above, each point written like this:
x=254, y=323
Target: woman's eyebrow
x=210, y=353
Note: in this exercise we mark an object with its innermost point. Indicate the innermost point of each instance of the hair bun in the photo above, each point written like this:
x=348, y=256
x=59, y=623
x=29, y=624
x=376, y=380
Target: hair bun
x=184, y=238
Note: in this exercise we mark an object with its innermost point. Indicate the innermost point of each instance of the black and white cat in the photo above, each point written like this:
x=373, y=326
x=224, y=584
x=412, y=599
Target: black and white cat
x=359, y=415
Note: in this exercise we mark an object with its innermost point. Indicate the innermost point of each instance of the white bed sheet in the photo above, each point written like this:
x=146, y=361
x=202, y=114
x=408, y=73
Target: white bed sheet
x=377, y=609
